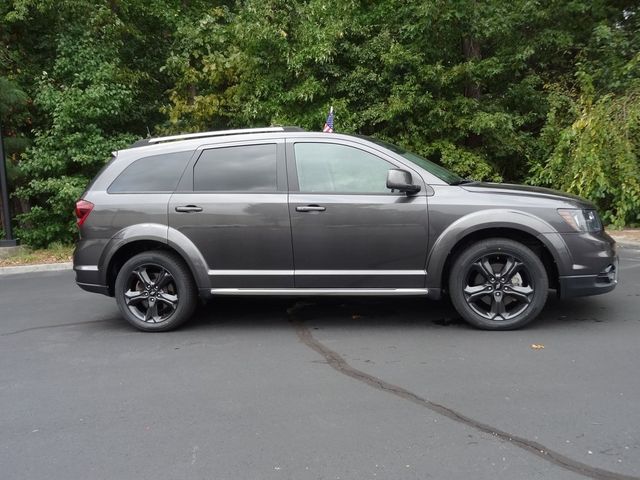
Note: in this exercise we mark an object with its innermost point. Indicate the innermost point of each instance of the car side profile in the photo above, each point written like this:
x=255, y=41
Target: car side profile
x=282, y=211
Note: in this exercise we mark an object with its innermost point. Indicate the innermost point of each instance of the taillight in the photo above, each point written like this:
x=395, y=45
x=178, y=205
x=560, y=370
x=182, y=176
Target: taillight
x=83, y=209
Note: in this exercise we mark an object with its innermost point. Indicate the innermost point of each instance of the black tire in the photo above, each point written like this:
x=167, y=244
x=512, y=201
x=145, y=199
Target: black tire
x=498, y=284
x=155, y=291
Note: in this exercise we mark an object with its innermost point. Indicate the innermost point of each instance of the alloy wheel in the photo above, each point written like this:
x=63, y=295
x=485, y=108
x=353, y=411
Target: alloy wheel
x=498, y=286
x=151, y=293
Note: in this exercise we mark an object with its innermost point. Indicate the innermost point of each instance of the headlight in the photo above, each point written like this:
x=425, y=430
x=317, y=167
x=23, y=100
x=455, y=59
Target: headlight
x=581, y=220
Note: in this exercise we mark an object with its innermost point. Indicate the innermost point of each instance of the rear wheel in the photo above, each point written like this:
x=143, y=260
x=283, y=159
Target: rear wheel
x=155, y=291
x=498, y=284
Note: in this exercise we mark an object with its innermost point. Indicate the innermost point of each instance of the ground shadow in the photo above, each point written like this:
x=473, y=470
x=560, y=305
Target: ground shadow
x=371, y=313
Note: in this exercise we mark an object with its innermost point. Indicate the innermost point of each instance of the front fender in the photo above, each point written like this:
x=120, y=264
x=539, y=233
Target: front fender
x=494, y=219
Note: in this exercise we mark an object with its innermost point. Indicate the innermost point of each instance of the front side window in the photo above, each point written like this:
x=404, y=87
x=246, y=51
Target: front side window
x=157, y=173
x=334, y=168
x=246, y=168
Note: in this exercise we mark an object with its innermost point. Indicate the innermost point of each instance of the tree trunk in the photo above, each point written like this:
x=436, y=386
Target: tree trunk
x=191, y=93
x=471, y=52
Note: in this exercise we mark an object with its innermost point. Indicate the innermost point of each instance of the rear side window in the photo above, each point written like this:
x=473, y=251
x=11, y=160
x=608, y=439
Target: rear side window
x=157, y=173
x=246, y=168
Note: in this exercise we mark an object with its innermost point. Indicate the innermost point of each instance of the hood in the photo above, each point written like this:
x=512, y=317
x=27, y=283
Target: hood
x=526, y=190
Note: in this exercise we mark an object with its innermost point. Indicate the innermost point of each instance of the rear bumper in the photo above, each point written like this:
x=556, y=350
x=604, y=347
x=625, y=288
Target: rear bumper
x=88, y=278
x=92, y=287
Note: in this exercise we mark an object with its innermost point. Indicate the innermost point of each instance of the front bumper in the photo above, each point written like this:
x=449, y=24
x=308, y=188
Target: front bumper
x=584, y=285
x=587, y=263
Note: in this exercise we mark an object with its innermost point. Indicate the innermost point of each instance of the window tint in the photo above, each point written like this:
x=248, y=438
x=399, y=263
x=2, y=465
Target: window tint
x=247, y=168
x=157, y=173
x=327, y=167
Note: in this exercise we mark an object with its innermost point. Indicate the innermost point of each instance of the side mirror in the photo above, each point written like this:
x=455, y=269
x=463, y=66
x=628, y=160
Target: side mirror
x=401, y=180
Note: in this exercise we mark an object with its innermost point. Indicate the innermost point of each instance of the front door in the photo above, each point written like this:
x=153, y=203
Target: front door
x=348, y=229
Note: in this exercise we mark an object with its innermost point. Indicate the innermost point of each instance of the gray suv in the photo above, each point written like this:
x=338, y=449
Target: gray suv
x=281, y=211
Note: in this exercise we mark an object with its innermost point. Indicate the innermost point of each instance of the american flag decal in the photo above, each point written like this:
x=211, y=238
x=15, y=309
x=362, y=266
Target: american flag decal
x=328, y=125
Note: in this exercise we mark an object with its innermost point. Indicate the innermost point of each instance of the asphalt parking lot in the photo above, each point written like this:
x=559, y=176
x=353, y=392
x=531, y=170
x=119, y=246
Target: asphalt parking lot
x=317, y=389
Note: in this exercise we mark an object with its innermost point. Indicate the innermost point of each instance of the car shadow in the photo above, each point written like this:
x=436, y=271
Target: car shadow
x=370, y=313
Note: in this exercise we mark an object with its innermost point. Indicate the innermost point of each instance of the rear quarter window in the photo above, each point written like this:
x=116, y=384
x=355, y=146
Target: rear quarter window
x=98, y=175
x=156, y=173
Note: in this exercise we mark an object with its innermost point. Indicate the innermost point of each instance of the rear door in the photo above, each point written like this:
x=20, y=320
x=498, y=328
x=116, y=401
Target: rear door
x=348, y=229
x=232, y=204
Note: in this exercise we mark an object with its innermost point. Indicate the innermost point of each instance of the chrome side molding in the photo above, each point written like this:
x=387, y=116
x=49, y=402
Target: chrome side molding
x=322, y=291
x=315, y=272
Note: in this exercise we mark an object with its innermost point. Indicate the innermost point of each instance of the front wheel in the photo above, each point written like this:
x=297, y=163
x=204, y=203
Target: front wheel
x=498, y=284
x=155, y=291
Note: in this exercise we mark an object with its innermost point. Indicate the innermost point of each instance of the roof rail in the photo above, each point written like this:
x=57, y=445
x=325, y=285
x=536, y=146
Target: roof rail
x=215, y=133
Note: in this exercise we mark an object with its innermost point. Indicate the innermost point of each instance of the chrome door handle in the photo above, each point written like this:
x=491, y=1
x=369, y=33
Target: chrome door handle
x=311, y=208
x=188, y=209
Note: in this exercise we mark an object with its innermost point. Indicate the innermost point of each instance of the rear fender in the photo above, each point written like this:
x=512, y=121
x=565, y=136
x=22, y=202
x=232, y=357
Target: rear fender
x=161, y=234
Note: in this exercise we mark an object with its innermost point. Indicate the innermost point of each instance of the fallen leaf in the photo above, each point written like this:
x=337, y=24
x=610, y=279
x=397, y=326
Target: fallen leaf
x=537, y=346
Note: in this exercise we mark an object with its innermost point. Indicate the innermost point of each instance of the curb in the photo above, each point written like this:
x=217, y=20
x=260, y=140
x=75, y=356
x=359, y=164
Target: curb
x=42, y=267
x=626, y=242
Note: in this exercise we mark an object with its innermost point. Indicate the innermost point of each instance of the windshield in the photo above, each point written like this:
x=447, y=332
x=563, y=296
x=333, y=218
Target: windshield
x=433, y=168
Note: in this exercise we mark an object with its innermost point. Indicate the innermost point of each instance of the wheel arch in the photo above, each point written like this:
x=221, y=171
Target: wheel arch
x=514, y=225
x=146, y=237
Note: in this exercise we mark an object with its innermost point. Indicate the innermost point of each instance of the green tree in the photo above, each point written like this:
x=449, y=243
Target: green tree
x=597, y=154
x=590, y=143
x=12, y=116
x=493, y=90
x=102, y=91
x=464, y=83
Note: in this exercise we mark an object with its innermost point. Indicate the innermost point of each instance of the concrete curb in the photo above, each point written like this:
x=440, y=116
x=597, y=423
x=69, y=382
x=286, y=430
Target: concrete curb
x=624, y=240
x=42, y=267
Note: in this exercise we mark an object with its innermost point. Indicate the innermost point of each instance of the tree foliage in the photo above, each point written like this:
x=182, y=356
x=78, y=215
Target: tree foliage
x=539, y=91
x=98, y=95
x=597, y=155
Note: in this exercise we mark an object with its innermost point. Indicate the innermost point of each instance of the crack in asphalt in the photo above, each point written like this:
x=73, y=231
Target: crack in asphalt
x=335, y=361
x=43, y=327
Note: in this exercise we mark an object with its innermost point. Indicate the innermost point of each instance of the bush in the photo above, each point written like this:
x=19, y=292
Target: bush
x=597, y=155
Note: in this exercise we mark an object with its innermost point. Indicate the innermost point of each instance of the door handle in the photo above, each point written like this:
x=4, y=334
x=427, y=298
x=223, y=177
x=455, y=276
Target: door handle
x=188, y=209
x=311, y=208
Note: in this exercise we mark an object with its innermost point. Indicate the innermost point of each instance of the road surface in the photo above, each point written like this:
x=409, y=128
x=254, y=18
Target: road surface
x=317, y=389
